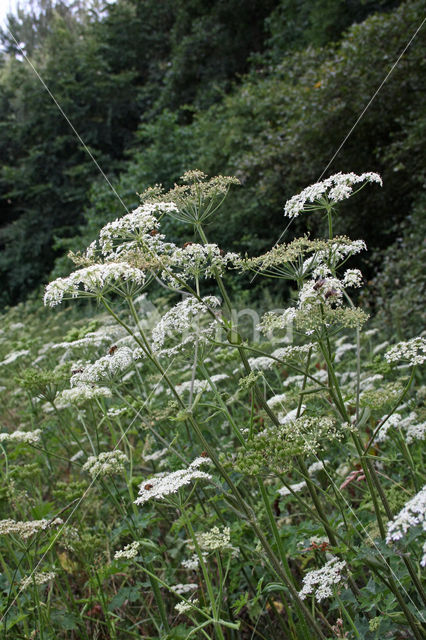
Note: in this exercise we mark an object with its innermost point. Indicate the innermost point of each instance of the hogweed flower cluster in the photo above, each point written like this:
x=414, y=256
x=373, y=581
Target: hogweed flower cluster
x=192, y=563
x=197, y=261
x=413, y=350
x=15, y=355
x=27, y=437
x=215, y=540
x=180, y=589
x=93, y=280
x=160, y=486
x=183, y=319
x=106, y=367
x=184, y=607
x=321, y=582
x=129, y=552
x=412, y=515
x=27, y=528
x=38, y=579
x=108, y=463
x=334, y=189
x=81, y=393
x=293, y=488
x=139, y=225
x=288, y=260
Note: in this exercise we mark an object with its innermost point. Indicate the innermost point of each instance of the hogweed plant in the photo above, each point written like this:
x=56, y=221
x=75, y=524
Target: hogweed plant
x=205, y=483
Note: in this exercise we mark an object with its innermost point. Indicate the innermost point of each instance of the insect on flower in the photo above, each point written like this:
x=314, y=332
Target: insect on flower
x=330, y=293
x=319, y=283
x=112, y=350
x=147, y=487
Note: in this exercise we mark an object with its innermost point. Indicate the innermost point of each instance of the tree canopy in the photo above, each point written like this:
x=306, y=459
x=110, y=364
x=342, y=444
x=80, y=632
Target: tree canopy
x=266, y=91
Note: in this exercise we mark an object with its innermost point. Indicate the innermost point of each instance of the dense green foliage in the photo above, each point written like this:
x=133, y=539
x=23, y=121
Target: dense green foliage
x=263, y=90
x=200, y=469
x=237, y=453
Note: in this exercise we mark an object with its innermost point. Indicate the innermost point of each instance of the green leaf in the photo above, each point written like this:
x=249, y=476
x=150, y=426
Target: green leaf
x=65, y=620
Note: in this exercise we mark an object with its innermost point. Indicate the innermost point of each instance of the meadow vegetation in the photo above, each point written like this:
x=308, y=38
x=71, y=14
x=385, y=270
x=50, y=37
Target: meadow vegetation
x=214, y=425
x=174, y=471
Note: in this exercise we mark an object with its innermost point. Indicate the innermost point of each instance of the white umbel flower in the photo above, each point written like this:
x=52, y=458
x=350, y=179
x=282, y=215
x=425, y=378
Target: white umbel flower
x=182, y=319
x=38, y=579
x=29, y=437
x=106, y=367
x=293, y=351
x=129, y=552
x=91, y=281
x=413, y=350
x=316, y=466
x=135, y=225
x=412, y=515
x=79, y=394
x=298, y=486
x=261, y=363
x=215, y=539
x=161, y=486
x=198, y=260
x=335, y=188
x=26, y=529
x=414, y=431
x=352, y=278
x=321, y=581
x=107, y=463
x=15, y=355
x=277, y=401
x=184, y=607
x=180, y=589
x=192, y=563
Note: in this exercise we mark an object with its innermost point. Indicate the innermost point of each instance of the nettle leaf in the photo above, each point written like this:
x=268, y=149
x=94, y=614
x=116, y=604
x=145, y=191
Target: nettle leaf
x=65, y=620
x=130, y=594
x=177, y=633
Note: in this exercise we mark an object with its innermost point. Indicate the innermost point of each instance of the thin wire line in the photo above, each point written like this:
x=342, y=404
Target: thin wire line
x=83, y=497
x=358, y=120
x=86, y=148
x=372, y=98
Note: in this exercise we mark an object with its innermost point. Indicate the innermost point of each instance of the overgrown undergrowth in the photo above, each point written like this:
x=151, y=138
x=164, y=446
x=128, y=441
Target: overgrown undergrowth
x=207, y=471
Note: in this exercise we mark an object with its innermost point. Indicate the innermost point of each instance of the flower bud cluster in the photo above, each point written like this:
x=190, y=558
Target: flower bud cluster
x=274, y=447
